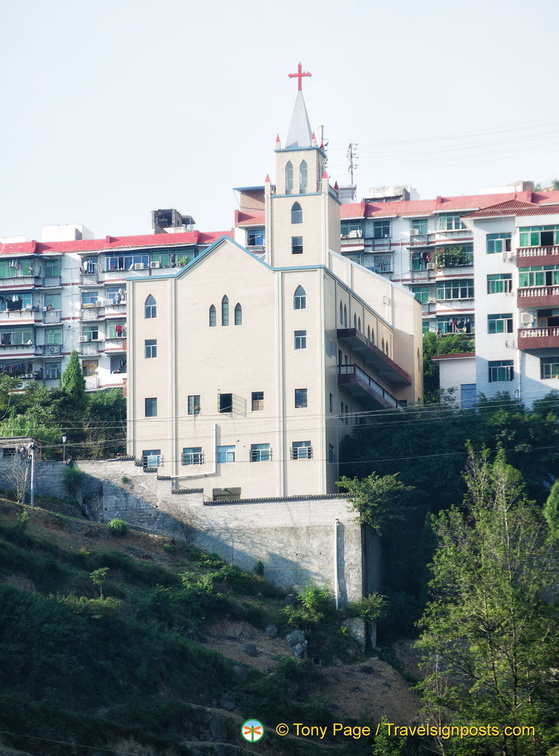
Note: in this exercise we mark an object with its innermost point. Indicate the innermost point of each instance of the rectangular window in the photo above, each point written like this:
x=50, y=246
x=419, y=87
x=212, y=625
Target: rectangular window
x=260, y=453
x=456, y=325
x=498, y=243
x=381, y=229
x=192, y=455
x=455, y=289
x=151, y=348
x=116, y=295
x=151, y=458
x=331, y=406
x=134, y=261
x=255, y=237
x=89, y=367
x=116, y=330
x=549, y=367
x=53, y=336
x=151, y=407
x=300, y=398
x=90, y=297
x=52, y=371
x=449, y=222
x=347, y=226
x=90, y=333
x=499, y=323
x=300, y=339
x=53, y=301
x=421, y=293
x=301, y=450
x=538, y=275
x=8, y=268
x=257, y=401
x=539, y=236
x=297, y=245
x=419, y=225
x=194, y=404
x=17, y=338
x=52, y=268
x=501, y=370
x=500, y=283
x=225, y=454
x=225, y=402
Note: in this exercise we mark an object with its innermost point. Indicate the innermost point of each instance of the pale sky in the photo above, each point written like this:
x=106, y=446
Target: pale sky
x=113, y=108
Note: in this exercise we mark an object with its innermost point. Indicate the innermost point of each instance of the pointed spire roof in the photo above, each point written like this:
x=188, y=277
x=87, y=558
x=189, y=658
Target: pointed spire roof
x=300, y=133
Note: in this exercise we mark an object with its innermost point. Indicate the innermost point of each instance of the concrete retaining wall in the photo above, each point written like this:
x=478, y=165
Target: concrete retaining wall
x=297, y=540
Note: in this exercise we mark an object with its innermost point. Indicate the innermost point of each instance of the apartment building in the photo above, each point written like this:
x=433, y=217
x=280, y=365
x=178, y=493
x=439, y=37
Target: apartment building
x=69, y=292
x=249, y=365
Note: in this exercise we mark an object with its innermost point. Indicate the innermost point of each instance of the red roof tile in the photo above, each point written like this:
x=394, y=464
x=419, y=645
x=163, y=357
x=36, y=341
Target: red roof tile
x=254, y=218
x=113, y=242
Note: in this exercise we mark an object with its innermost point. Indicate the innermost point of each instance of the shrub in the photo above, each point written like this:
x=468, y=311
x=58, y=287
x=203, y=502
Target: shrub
x=73, y=478
x=118, y=528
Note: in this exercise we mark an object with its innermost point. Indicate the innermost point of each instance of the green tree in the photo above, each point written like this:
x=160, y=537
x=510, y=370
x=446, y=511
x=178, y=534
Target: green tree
x=551, y=511
x=434, y=345
x=377, y=498
x=98, y=578
x=73, y=382
x=490, y=631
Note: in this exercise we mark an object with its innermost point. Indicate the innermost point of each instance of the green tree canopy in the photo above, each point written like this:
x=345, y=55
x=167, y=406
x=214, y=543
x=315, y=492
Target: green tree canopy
x=73, y=382
x=490, y=630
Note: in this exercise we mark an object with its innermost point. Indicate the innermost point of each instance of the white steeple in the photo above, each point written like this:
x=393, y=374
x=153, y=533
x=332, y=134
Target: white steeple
x=300, y=133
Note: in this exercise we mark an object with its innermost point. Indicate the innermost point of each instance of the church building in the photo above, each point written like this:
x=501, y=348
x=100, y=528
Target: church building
x=246, y=369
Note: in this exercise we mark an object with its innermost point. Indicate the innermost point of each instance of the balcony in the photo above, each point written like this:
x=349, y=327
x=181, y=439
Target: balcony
x=529, y=256
x=90, y=348
x=93, y=311
x=538, y=338
x=538, y=296
x=364, y=388
x=372, y=355
x=383, y=244
x=421, y=240
x=52, y=316
x=17, y=350
x=52, y=282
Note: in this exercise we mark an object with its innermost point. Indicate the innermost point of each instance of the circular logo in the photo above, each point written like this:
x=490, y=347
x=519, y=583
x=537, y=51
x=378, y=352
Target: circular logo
x=252, y=730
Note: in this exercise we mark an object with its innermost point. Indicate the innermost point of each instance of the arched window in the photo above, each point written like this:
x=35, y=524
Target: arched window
x=224, y=311
x=296, y=213
x=369, y=332
x=372, y=337
x=359, y=324
x=383, y=345
x=238, y=314
x=212, y=316
x=289, y=178
x=300, y=299
x=150, y=309
x=341, y=313
x=355, y=321
x=345, y=316
x=303, y=177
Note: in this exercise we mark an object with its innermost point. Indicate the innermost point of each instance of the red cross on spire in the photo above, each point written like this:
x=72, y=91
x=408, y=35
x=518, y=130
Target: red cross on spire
x=299, y=75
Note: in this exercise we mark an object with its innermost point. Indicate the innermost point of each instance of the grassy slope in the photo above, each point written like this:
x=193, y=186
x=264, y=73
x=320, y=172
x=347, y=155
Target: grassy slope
x=94, y=672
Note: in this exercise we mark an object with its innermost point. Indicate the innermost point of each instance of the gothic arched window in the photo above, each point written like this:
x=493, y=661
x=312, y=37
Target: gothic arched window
x=289, y=177
x=303, y=177
x=238, y=314
x=150, y=309
x=224, y=311
x=296, y=213
x=300, y=299
x=212, y=316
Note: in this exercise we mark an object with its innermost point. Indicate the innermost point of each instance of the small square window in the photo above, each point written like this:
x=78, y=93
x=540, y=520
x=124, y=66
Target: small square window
x=260, y=453
x=257, y=401
x=225, y=454
x=194, y=404
x=151, y=407
x=300, y=398
x=152, y=458
x=301, y=450
x=151, y=348
x=225, y=402
x=300, y=339
x=297, y=245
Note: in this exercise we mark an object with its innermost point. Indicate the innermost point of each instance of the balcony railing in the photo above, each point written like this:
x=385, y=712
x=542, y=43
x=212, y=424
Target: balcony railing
x=538, y=296
x=301, y=452
x=528, y=256
x=361, y=384
x=52, y=316
x=372, y=355
x=48, y=350
x=538, y=338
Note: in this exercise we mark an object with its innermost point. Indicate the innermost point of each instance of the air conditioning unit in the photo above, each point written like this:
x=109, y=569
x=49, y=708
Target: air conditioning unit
x=414, y=231
x=54, y=350
x=526, y=318
x=430, y=266
x=100, y=303
x=84, y=339
x=507, y=256
x=356, y=233
x=154, y=264
x=139, y=266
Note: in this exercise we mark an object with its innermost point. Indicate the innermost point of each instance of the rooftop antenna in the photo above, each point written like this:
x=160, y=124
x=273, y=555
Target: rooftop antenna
x=352, y=157
x=323, y=144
